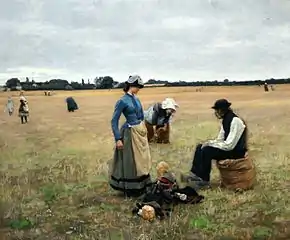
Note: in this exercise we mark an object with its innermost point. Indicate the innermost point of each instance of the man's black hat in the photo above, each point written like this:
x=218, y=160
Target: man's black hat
x=221, y=104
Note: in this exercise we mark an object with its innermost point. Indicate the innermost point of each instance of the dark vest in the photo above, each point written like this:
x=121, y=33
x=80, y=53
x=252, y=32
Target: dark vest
x=241, y=146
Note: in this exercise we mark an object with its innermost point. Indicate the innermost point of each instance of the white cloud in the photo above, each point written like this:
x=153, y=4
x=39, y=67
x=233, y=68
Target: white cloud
x=195, y=40
x=181, y=23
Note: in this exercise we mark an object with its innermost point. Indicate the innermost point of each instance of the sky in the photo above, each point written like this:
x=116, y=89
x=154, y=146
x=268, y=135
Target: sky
x=171, y=40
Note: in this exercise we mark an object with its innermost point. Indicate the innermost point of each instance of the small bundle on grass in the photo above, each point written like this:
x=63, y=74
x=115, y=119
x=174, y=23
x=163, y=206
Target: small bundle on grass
x=163, y=194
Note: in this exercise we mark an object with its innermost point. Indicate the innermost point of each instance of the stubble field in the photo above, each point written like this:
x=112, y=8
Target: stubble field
x=53, y=170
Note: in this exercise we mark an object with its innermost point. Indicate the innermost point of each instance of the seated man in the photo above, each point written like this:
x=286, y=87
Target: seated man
x=159, y=115
x=231, y=143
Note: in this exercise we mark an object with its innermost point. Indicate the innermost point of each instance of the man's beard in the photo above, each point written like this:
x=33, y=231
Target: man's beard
x=218, y=115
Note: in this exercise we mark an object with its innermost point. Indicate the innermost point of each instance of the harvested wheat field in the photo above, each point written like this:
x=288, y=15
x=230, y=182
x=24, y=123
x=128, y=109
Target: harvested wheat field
x=54, y=169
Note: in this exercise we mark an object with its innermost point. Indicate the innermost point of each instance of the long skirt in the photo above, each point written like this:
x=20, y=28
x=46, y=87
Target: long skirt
x=130, y=168
x=23, y=114
x=10, y=110
x=71, y=104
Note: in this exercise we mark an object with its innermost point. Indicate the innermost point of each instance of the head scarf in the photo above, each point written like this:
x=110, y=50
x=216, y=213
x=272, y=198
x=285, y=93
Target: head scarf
x=169, y=103
x=135, y=81
x=22, y=98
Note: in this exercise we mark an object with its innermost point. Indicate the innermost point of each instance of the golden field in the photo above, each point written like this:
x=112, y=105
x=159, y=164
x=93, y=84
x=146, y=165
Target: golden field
x=53, y=170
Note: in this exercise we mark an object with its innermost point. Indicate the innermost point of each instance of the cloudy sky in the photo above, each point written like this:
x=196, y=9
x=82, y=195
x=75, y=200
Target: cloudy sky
x=161, y=39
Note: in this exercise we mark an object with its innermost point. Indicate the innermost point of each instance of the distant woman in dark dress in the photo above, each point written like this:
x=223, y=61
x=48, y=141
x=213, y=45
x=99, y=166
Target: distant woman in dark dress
x=71, y=104
x=130, y=168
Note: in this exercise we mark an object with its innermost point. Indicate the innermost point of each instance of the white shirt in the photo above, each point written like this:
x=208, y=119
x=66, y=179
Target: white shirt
x=148, y=114
x=236, y=131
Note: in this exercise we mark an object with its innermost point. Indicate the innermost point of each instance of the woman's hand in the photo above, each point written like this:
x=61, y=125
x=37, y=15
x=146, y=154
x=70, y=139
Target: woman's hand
x=119, y=144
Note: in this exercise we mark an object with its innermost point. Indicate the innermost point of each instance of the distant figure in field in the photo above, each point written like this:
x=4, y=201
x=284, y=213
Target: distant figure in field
x=198, y=89
x=23, y=111
x=158, y=116
x=231, y=143
x=272, y=88
x=71, y=104
x=9, y=106
x=266, y=88
x=131, y=165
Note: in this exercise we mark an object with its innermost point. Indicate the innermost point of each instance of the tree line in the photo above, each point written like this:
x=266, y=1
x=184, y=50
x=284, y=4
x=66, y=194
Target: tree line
x=107, y=82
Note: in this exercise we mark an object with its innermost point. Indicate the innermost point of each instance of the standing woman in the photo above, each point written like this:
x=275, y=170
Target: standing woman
x=130, y=169
x=10, y=106
x=23, y=110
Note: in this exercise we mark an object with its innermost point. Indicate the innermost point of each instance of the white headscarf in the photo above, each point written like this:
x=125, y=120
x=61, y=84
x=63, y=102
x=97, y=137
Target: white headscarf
x=22, y=98
x=135, y=78
x=169, y=103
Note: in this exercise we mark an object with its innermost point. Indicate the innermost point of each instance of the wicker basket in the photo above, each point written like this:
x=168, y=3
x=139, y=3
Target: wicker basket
x=237, y=174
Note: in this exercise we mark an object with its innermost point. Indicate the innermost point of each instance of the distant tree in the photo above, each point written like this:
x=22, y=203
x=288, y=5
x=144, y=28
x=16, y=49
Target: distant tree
x=104, y=82
x=58, y=81
x=12, y=83
x=115, y=84
x=98, y=81
x=108, y=82
x=76, y=85
x=121, y=85
x=68, y=87
x=27, y=79
x=151, y=81
x=83, y=81
x=56, y=84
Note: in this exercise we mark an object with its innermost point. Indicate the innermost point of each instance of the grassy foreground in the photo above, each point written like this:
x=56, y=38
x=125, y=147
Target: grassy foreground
x=53, y=171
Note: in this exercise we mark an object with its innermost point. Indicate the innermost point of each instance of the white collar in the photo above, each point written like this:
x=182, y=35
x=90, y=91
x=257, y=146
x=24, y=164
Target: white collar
x=131, y=94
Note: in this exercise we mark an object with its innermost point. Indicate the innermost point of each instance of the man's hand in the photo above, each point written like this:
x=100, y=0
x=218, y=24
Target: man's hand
x=205, y=144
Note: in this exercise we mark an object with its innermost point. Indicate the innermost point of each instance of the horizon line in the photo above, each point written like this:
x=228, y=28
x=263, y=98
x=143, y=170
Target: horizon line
x=86, y=80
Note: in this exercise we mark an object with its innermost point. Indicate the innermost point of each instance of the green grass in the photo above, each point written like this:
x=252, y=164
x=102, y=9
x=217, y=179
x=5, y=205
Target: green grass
x=53, y=179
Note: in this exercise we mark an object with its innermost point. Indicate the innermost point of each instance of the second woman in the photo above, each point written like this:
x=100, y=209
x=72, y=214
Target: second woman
x=130, y=169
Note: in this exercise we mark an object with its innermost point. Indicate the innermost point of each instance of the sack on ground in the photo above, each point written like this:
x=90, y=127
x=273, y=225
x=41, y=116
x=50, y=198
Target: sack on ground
x=237, y=174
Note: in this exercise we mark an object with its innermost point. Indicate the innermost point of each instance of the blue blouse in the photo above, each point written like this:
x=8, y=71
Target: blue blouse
x=132, y=109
